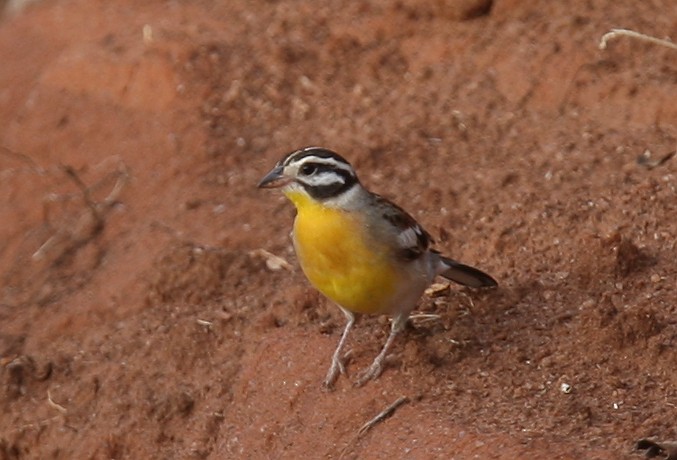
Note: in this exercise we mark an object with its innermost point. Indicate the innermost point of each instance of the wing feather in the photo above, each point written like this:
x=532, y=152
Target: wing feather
x=412, y=239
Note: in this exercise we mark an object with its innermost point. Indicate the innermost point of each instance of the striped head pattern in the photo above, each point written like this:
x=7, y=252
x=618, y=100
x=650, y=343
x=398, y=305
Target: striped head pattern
x=322, y=174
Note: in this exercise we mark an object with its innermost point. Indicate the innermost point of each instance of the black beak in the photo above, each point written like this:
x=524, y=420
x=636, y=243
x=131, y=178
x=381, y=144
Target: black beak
x=274, y=178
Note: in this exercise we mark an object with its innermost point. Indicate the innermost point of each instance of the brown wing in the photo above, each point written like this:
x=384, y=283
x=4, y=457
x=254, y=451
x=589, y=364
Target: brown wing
x=412, y=239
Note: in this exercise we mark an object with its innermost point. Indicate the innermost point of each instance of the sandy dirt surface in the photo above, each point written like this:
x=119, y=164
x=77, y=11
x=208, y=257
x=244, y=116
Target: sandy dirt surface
x=139, y=317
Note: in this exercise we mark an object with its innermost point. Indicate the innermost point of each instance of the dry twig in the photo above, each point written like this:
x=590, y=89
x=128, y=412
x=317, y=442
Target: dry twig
x=89, y=224
x=23, y=157
x=384, y=414
x=381, y=416
x=648, y=162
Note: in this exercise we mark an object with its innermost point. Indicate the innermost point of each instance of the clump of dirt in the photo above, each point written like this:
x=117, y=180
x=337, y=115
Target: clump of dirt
x=189, y=273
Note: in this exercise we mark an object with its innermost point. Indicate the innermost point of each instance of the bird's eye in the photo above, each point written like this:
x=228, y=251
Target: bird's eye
x=308, y=169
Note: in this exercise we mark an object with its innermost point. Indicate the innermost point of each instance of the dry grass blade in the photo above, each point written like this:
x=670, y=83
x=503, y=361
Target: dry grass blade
x=615, y=33
x=55, y=405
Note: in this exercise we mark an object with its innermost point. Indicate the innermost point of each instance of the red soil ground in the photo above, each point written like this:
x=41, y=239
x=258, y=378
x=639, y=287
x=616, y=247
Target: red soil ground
x=138, y=318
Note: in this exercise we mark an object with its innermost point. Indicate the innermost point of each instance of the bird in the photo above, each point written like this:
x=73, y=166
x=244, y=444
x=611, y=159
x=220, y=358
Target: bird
x=360, y=250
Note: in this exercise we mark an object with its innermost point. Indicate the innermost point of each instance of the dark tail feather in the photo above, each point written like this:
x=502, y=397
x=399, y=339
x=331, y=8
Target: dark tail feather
x=466, y=275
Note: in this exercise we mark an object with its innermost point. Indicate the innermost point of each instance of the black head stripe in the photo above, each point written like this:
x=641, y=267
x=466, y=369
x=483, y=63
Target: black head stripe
x=345, y=180
x=332, y=174
x=317, y=152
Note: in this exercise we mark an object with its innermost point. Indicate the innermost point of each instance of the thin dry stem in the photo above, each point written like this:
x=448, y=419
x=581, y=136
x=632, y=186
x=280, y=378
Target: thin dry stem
x=615, y=33
x=89, y=223
x=56, y=406
x=384, y=414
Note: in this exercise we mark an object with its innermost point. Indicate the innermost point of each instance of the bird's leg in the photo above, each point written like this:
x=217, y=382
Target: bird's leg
x=373, y=371
x=336, y=363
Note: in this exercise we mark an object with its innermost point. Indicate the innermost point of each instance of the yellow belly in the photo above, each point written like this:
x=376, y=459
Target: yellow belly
x=340, y=262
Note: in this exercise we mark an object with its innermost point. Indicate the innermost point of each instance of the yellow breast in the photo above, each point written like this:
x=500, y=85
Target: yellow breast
x=339, y=259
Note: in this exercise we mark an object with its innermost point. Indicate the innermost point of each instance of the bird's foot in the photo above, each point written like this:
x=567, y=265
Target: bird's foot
x=335, y=370
x=371, y=373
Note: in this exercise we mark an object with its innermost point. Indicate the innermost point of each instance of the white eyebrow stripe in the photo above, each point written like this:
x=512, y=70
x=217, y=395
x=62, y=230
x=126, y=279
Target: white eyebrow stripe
x=326, y=161
x=325, y=178
x=408, y=238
